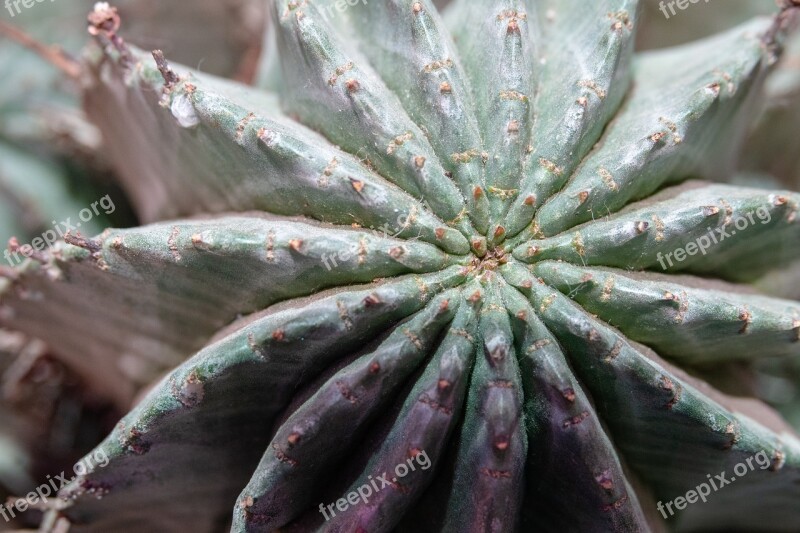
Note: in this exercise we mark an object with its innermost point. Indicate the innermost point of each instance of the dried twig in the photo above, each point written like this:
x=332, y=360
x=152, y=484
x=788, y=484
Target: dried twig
x=53, y=54
x=104, y=22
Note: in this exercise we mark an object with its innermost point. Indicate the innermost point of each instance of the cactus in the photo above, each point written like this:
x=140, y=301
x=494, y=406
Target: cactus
x=769, y=158
x=454, y=272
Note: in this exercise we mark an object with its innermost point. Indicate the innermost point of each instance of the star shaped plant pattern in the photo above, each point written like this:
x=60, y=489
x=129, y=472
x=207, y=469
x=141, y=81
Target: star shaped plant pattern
x=431, y=241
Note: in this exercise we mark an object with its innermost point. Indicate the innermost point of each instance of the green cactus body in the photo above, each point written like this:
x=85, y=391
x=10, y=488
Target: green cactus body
x=478, y=238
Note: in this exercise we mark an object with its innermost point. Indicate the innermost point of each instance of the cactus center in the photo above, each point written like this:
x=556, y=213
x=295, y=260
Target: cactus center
x=494, y=257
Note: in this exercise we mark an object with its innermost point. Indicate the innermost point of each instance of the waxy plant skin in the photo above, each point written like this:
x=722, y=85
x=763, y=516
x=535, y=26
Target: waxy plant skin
x=480, y=236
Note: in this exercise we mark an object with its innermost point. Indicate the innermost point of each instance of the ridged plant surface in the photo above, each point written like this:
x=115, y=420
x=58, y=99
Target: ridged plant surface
x=448, y=239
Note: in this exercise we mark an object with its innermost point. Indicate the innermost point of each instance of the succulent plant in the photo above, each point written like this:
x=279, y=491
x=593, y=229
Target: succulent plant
x=476, y=242
x=770, y=158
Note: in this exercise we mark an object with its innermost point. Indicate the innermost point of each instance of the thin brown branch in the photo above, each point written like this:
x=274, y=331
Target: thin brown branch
x=104, y=23
x=53, y=54
x=785, y=20
x=26, y=250
x=82, y=242
x=170, y=78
